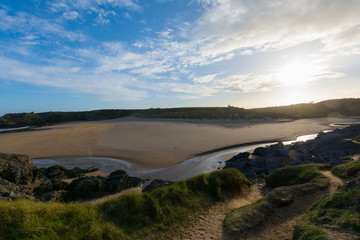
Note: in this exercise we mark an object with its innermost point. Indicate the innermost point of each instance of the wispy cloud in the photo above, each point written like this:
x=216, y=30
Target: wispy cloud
x=174, y=59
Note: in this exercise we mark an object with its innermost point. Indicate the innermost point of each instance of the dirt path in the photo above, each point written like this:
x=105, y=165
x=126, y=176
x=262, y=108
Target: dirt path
x=282, y=223
x=209, y=224
x=280, y=226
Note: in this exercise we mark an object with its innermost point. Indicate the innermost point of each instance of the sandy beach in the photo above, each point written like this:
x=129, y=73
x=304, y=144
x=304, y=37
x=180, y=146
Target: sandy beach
x=153, y=143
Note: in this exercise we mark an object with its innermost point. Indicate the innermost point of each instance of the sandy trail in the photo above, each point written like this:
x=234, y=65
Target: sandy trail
x=209, y=223
x=282, y=223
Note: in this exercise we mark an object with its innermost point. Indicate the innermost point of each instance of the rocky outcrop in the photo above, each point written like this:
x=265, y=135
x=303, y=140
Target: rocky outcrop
x=329, y=148
x=16, y=168
x=156, y=183
x=10, y=191
x=119, y=181
x=56, y=191
x=87, y=187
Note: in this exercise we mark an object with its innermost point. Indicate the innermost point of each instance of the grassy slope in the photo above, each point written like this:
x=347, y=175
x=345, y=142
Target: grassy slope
x=332, y=214
x=128, y=217
x=336, y=213
x=335, y=108
x=304, y=178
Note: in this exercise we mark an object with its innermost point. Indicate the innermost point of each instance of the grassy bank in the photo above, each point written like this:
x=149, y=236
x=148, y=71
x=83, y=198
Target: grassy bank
x=336, y=215
x=146, y=216
x=289, y=183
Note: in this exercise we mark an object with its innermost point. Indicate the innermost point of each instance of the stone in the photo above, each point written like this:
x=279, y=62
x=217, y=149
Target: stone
x=119, y=181
x=56, y=172
x=10, y=191
x=16, y=168
x=156, y=183
x=39, y=174
x=87, y=187
x=257, y=164
x=261, y=151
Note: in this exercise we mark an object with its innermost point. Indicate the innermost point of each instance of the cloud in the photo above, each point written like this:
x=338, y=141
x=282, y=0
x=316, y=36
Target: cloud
x=264, y=25
x=108, y=87
x=33, y=26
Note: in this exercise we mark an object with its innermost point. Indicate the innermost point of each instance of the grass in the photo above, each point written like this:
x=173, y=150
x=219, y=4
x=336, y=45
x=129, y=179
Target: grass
x=293, y=175
x=336, y=213
x=135, y=216
x=24, y=219
x=346, y=170
x=304, y=179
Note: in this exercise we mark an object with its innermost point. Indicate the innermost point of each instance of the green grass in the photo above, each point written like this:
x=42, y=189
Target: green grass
x=293, y=175
x=357, y=139
x=336, y=213
x=24, y=219
x=305, y=179
x=135, y=216
x=349, y=169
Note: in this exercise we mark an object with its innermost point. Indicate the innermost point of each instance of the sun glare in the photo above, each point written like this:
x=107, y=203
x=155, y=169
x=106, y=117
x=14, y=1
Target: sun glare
x=298, y=73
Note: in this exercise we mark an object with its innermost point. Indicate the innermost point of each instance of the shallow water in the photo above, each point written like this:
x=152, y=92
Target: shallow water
x=189, y=168
x=13, y=129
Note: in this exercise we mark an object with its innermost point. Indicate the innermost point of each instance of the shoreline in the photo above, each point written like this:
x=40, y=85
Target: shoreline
x=151, y=143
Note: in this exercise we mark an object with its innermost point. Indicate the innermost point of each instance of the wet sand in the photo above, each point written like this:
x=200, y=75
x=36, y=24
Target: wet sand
x=153, y=143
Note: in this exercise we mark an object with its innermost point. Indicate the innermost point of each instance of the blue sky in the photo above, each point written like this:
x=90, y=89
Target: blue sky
x=92, y=54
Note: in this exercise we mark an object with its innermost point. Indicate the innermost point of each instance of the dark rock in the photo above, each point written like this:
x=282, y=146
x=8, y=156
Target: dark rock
x=87, y=187
x=9, y=191
x=54, y=196
x=257, y=164
x=239, y=156
x=261, y=151
x=75, y=172
x=39, y=174
x=52, y=192
x=16, y=168
x=119, y=181
x=56, y=172
x=156, y=183
x=273, y=162
x=79, y=172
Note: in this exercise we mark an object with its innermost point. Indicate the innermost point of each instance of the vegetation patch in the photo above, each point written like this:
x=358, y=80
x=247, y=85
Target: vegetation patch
x=346, y=170
x=339, y=213
x=293, y=175
x=306, y=179
x=134, y=216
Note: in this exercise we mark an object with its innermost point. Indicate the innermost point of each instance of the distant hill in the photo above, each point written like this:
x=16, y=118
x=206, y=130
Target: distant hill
x=328, y=108
x=335, y=108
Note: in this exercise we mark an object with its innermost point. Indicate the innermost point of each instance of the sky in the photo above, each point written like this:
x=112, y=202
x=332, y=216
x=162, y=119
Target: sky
x=72, y=55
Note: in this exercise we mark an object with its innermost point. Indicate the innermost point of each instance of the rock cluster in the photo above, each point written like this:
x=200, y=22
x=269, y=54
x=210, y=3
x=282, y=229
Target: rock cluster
x=329, y=148
x=156, y=183
x=16, y=171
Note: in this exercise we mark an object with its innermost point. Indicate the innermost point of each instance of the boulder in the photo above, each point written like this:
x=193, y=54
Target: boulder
x=239, y=156
x=273, y=162
x=79, y=172
x=156, y=183
x=257, y=164
x=119, y=181
x=56, y=172
x=10, y=191
x=39, y=174
x=16, y=168
x=87, y=187
x=261, y=151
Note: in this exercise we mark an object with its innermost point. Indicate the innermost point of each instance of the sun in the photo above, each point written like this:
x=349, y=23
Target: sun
x=298, y=73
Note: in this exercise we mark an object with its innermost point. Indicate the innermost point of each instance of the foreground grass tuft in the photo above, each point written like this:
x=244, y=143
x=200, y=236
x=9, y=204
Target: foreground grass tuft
x=293, y=175
x=24, y=219
x=349, y=169
x=135, y=216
